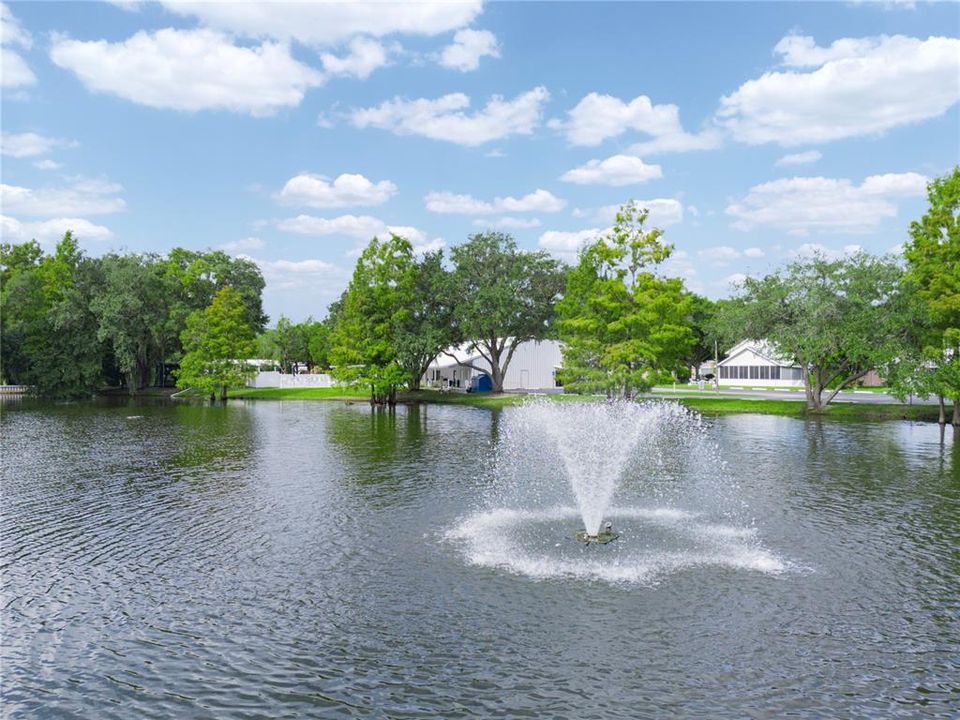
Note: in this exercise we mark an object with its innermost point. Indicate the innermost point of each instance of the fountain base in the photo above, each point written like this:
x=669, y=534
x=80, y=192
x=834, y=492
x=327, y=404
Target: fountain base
x=601, y=538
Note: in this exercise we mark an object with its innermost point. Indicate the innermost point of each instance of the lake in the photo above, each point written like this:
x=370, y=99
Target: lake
x=315, y=559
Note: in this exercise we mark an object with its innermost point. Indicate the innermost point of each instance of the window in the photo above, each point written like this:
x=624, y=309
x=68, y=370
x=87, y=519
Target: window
x=754, y=372
x=764, y=372
x=775, y=372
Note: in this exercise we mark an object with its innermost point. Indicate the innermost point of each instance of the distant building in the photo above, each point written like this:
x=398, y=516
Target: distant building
x=533, y=366
x=756, y=362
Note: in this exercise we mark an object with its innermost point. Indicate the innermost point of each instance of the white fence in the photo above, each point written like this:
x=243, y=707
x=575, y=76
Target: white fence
x=275, y=379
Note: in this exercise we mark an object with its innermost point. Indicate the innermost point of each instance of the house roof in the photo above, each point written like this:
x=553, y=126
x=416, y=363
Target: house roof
x=461, y=354
x=760, y=347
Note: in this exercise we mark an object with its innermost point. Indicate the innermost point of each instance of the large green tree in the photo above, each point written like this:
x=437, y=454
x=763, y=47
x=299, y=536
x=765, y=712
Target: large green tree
x=49, y=333
x=933, y=277
x=500, y=297
x=377, y=302
x=623, y=326
x=216, y=341
x=837, y=318
x=132, y=311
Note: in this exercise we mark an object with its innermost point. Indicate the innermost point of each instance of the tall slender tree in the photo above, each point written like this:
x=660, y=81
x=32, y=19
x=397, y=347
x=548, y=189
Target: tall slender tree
x=933, y=274
x=216, y=342
x=623, y=326
x=377, y=302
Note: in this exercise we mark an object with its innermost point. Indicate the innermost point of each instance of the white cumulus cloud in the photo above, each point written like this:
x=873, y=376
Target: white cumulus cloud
x=365, y=56
x=617, y=170
x=661, y=212
x=50, y=232
x=361, y=227
x=14, y=71
x=189, y=70
x=348, y=189
x=854, y=87
x=242, y=246
x=565, y=244
x=599, y=117
x=29, y=144
x=467, y=48
x=803, y=158
x=719, y=255
x=448, y=118
x=801, y=205
x=326, y=23
x=452, y=204
x=83, y=196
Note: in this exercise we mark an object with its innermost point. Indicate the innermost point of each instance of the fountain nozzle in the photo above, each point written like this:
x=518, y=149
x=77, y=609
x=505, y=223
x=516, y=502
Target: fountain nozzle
x=607, y=535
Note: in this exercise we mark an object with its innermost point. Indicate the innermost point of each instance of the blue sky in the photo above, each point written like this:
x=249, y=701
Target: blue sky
x=754, y=132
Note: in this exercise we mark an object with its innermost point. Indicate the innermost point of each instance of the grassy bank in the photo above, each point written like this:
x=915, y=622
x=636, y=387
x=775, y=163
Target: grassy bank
x=706, y=405
x=797, y=408
x=349, y=394
x=331, y=393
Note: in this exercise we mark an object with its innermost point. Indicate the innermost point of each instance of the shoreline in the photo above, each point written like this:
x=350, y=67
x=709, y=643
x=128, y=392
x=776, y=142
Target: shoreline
x=708, y=406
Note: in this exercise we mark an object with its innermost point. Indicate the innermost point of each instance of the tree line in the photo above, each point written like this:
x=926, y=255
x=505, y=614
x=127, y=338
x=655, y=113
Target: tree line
x=70, y=321
x=71, y=324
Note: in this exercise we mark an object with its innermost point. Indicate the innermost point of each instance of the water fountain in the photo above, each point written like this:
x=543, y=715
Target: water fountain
x=674, y=506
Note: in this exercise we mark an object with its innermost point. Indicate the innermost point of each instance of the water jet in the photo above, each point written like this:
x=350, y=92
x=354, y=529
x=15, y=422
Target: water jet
x=575, y=470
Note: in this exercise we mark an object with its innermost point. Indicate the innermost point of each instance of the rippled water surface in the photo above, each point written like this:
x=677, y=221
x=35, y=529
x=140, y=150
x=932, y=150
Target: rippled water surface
x=302, y=559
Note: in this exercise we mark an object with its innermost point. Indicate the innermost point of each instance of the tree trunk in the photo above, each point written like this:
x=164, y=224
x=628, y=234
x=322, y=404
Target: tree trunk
x=943, y=412
x=143, y=374
x=956, y=413
x=813, y=386
x=223, y=393
x=131, y=383
x=496, y=376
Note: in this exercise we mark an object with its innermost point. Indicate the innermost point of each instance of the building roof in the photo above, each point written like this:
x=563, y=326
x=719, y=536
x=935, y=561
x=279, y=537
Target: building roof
x=465, y=353
x=763, y=348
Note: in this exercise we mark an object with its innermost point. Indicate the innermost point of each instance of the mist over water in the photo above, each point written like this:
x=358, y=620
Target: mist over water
x=650, y=468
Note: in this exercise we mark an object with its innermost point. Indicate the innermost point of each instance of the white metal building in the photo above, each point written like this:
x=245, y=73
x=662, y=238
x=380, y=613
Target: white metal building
x=752, y=362
x=533, y=367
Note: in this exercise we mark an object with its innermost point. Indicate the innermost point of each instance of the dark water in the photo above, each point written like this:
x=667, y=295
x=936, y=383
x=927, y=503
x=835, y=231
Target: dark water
x=289, y=560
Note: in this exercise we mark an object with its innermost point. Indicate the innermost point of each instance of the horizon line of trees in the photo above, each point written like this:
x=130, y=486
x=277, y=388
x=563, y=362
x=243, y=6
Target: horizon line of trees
x=69, y=321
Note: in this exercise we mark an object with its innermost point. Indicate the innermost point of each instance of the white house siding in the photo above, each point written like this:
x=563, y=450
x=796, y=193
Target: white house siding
x=745, y=366
x=532, y=367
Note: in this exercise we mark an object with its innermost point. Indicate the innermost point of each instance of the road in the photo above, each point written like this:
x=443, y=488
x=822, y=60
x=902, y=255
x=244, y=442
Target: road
x=858, y=396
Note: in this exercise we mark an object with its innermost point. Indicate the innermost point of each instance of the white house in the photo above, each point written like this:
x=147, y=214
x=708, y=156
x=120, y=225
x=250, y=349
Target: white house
x=752, y=362
x=533, y=367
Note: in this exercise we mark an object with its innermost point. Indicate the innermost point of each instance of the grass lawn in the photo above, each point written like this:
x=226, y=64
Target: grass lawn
x=797, y=408
x=707, y=405
x=331, y=393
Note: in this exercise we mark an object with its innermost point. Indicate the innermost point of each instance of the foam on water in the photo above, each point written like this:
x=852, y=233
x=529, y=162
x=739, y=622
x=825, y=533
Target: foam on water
x=536, y=543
